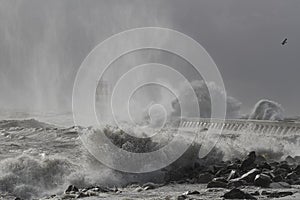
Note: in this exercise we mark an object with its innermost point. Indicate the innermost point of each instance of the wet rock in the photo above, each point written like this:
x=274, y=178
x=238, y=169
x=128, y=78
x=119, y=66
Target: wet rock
x=297, y=170
x=150, y=186
x=69, y=196
x=216, y=184
x=280, y=185
x=205, y=178
x=264, y=165
x=292, y=176
x=223, y=172
x=99, y=189
x=291, y=182
x=274, y=163
x=249, y=176
x=82, y=195
x=218, y=167
x=248, y=162
x=237, y=194
x=297, y=182
x=278, y=178
x=71, y=188
x=191, y=192
x=233, y=166
x=138, y=189
x=87, y=194
x=83, y=190
x=237, y=161
x=182, y=197
x=268, y=173
x=220, y=179
x=262, y=180
x=280, y=194
x=236, y=183
x=266, y=193
x=284, y=165
x=232, y=175
x=256, y=193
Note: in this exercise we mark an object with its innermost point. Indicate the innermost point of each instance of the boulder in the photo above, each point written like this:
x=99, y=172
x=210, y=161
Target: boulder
x=237, y=194
x=278, y=178
x=249, y=176
x=71, y=188
x=249, y=161
x=232, y=175
x=220, y=179
x=182, y=197
x=191, y=192
x=86, y=194
x=279, y=185
x=150, y=186
x=236, y=183
x=284, y=165
x=223, y=172
x=233, y=166
x=297, y=170
x=274, y=163
x=280, y=171
x=256, y=193
x=264, y=165
x=262, y=180
x=216, y=184
x=292, y=176
x=138, y=189
x=296, y=182
x=280, y=194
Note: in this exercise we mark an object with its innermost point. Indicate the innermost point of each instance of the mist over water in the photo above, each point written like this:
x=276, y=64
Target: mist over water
x=44, y=43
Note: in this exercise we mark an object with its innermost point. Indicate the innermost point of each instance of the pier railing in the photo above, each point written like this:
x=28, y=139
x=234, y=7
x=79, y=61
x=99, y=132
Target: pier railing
x=257, y=126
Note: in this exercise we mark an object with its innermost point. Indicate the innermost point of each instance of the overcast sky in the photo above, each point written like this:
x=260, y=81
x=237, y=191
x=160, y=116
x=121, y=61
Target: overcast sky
x=42, y=44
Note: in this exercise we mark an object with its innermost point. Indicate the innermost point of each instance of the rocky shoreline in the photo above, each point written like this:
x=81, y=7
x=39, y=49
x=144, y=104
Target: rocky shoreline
x=254, y=177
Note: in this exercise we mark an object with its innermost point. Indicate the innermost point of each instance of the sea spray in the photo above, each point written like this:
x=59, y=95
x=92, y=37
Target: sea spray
x=267, y=110
x=26, y=176
x=66, y=160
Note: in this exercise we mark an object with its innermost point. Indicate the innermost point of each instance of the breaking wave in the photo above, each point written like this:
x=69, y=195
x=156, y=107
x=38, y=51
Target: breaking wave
x=26, y=176
x=29, y=175
x=267, y=110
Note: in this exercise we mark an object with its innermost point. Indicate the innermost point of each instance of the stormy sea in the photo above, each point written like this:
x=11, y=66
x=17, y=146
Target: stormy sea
x=43, y=160
x=153, y=100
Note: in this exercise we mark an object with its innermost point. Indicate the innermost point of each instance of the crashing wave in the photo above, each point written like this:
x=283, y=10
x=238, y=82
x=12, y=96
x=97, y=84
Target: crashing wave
x=267, y=110
x=27, y=177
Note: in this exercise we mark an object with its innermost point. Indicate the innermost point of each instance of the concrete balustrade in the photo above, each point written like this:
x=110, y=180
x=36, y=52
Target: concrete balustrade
x=257, y=126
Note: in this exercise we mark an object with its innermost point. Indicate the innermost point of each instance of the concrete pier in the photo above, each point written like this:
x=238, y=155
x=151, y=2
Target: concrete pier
x=257, y=126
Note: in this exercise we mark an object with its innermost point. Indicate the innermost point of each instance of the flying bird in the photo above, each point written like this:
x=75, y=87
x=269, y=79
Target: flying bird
x=284, y=41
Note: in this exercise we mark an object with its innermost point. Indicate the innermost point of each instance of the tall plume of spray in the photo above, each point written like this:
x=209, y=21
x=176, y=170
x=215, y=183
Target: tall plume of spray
x=267, y=110
x=204, y=100
x=43, y=44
